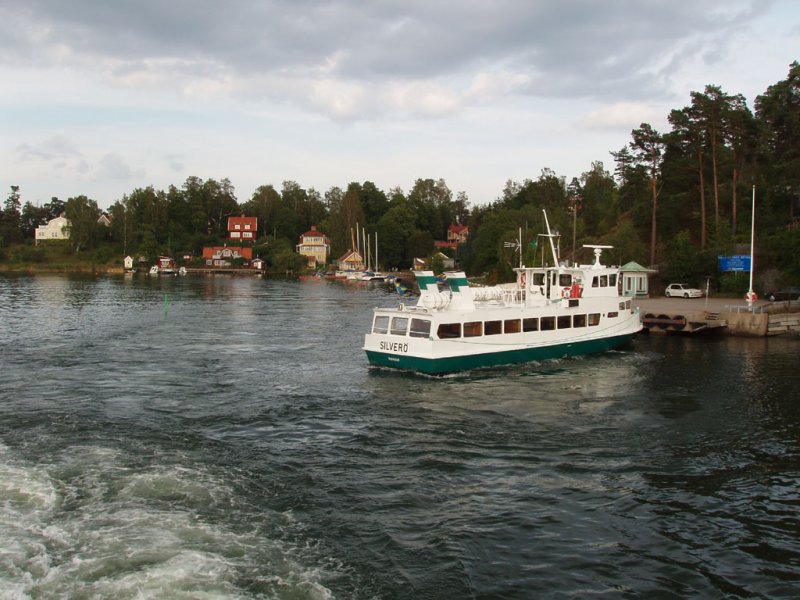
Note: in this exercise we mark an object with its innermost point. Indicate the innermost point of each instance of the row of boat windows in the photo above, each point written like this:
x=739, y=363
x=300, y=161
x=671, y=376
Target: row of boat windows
x=421, y=328
x=565, y=280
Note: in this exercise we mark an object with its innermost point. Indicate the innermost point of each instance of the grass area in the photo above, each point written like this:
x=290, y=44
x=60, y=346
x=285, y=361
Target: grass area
x=57, y=257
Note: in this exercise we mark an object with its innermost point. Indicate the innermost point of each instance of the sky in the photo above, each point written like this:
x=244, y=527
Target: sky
x=101, y=97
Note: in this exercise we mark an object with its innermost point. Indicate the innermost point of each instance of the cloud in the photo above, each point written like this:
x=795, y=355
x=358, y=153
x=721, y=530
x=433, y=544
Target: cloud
x=112, y=166
x=621, y=115
x=349, y=58
x=55, y=150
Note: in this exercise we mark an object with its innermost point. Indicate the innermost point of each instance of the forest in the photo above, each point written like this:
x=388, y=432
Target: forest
x=673, y=200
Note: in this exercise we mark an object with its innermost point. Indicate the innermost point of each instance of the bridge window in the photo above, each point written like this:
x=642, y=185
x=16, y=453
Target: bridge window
x=420, y=328
x=381, y=324
x=603, y=280
x=399, y=325
x=565, y=280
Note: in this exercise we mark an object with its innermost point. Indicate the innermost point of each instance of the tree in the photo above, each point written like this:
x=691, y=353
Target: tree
x=689, y=135
x=778, y=114
x=82, y=216
x=710, y=109
x=648, y=146
x=263, y=205
x=11, y=218
x=741, y=134
x=394, y=229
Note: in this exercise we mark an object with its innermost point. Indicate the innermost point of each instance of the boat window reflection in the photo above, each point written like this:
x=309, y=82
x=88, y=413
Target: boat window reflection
x=420, y=328
x=448, y=331
x=493, y=328
x=381, y=325
x=473, y=329
x=399, y=325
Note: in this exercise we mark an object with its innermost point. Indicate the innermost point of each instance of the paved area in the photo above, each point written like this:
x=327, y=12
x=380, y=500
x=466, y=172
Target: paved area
x=666, y=305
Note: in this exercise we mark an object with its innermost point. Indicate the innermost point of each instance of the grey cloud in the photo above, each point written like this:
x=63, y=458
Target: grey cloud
x=612, y=49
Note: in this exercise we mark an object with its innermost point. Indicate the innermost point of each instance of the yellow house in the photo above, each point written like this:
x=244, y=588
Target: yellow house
x=56, y=229
x=315, y=246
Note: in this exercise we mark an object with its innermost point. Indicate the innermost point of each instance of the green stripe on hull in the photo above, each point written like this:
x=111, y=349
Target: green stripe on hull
x=438, y=366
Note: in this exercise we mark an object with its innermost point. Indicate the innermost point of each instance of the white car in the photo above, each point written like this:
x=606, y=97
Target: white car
x=682, y=290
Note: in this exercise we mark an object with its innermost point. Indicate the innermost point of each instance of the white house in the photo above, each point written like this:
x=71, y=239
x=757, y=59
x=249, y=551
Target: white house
x=56, y=229
x=635, y=280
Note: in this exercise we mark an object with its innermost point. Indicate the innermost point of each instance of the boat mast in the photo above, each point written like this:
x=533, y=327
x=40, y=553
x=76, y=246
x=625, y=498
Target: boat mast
x=550, y=237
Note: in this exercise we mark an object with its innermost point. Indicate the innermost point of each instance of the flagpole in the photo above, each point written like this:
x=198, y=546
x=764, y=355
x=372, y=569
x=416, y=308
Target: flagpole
x=750, y=292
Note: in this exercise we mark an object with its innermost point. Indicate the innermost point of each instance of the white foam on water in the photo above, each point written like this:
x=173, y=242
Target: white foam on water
x=90, y=524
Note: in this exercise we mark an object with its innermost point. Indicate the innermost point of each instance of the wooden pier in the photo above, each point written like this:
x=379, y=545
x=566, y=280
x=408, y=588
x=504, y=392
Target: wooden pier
x=718, y=315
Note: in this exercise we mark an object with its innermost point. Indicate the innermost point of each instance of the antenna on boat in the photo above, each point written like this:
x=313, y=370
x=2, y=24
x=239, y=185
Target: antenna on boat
x=517, y=246
x=598, y=250
x=550, y=236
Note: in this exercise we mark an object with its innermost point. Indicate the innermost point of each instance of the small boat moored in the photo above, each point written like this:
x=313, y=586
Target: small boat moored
x=548, y=312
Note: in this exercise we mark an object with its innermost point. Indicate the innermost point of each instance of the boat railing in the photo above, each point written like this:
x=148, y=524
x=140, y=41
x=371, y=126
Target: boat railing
x=740, y=309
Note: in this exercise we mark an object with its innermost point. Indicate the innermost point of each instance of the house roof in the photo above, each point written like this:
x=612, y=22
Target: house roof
x=634, y=267
x=312, y=232
x=458, y=227
x=350, y=255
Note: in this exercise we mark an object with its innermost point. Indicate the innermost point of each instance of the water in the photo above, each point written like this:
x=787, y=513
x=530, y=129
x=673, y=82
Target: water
x=224, y=438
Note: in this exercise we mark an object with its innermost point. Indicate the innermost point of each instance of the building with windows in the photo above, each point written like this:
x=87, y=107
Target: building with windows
x=315, y=246
x=56, y=229
x=223, y=256
x=242, y=229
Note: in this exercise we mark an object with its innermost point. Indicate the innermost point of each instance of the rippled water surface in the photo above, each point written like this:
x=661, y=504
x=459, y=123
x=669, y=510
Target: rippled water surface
x=224, y=438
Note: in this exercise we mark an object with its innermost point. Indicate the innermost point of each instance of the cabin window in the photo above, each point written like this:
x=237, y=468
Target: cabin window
x=565, y=280
x=603, y=280
x=612, y=280
x=512, y=326
x=448, y=331
x=579, y=320
x=399, y=325
x=595, y=281
x=538, y=279
x=420, y=328
x=613, y=315
x=594, y=319
x=547, y=323
x=473, y=329
x=492, y=327
x=627, y=305
x=622, y=306
x=564, y=322
x=381, y=325
x=530, y=324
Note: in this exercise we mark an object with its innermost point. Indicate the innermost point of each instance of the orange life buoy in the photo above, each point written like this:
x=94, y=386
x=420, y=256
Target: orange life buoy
x=565, y=292
x=751, y=296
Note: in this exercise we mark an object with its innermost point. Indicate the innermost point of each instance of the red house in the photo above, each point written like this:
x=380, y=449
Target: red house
x=242, y=229
x=221, y=256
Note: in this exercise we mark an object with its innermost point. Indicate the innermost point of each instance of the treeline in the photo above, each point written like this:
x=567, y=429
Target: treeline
x=675, y=200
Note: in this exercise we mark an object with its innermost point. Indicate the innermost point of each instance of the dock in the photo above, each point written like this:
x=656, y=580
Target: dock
x=726, y=316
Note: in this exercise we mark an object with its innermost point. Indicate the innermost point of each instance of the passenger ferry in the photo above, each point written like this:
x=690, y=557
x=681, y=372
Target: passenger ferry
x=549, y=312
